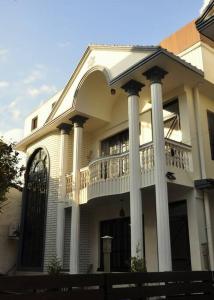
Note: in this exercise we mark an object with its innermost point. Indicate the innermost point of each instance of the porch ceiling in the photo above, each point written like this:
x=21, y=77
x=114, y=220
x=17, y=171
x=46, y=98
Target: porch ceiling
x=179, y=71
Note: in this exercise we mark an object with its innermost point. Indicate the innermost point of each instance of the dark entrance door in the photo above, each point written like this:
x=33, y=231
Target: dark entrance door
x=119, y=229
x=35, y=198
x=179, y=236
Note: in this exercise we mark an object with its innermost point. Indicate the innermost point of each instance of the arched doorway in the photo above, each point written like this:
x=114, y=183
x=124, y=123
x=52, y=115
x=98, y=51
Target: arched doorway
x=34, y=214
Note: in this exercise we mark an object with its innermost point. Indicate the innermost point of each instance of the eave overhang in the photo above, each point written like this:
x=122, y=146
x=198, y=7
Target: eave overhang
x=205, y=24
x=178, y=69
x=204, y=184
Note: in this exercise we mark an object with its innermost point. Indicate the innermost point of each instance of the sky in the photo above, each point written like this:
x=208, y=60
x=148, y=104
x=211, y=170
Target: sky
x=42, y=41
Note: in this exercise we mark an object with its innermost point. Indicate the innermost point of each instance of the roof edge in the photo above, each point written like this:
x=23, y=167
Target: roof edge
x=206, y=11
x=87, y=52
x=159, y=51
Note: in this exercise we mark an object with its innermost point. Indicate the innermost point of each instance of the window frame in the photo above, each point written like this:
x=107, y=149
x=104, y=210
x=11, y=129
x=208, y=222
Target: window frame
x=34, y=123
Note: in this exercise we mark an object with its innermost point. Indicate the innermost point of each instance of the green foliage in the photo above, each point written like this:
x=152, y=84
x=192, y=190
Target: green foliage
x=54, y=266
x=10, y=172
x=137, y=262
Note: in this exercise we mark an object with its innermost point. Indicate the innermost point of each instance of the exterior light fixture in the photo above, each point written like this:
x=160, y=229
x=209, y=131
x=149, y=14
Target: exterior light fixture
x=113, y=91
x=170, y=176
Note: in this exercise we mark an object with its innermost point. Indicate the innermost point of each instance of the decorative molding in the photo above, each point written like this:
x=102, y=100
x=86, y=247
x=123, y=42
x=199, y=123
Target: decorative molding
x=64, y=128
x=155, y=74
x=133, y=87
x=78, y=120
x=91, y=61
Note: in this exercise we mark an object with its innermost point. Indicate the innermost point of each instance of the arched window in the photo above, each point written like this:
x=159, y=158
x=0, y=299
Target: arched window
x=34, y=214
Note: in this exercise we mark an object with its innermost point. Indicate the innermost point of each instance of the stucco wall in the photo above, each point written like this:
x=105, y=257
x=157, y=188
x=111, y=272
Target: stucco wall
x=205, y=105
x=193, y=55
x=208, y=61
x=11, y=216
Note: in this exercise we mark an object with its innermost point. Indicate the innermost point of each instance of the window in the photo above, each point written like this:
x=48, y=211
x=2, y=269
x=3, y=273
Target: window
x=115, y=144
x=34, y=216
x=172, y=121
x=34, y=123
x=210, y=118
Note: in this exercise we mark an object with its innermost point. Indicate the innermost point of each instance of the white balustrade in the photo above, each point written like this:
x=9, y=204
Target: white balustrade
x=147, y=157
x=178, y=155
x=115, y=168
x=69, y=183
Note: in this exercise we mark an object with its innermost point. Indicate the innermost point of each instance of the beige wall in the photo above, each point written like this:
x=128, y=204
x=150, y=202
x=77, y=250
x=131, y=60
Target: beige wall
x=11, y=216
x=204, y=105
x=208, y=62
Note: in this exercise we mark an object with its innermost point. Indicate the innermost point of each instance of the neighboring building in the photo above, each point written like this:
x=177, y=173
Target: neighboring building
x=9, y=231
x=126, y=150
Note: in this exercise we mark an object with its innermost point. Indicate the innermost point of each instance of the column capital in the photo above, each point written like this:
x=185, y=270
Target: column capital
x=65, y=128
x=132, y=87
x=155, y=74
x=78, y=120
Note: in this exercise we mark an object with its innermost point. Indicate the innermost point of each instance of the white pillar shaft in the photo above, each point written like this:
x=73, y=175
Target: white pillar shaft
x=193, y=201
x=162, y=210
x=135, y=175
x=61, y=196
x=75, y=219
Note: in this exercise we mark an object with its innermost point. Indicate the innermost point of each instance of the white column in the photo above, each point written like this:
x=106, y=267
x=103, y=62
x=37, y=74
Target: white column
x=64, y=132
x=155, y=75
x=78, y=122
x=195, y=229
x=133, y=88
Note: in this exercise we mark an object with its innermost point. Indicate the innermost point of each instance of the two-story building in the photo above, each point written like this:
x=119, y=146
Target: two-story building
x=126, y=149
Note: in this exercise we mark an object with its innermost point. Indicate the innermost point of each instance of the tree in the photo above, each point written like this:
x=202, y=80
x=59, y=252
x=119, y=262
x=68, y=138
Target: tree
x=10, y=171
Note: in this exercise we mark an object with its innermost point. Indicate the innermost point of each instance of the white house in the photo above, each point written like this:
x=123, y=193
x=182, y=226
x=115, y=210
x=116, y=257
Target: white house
x=126, y=149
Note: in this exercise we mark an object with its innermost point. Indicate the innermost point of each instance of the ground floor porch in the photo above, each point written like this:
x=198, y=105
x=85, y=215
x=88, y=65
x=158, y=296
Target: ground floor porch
x=111, y=216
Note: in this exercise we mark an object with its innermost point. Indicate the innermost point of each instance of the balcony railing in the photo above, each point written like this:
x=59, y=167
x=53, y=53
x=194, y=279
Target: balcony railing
x=178, y=155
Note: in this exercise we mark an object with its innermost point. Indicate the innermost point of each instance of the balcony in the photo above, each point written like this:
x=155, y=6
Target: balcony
x=110, y=175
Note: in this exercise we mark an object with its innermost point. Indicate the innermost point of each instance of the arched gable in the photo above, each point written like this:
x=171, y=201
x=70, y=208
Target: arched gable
x=109, y=60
